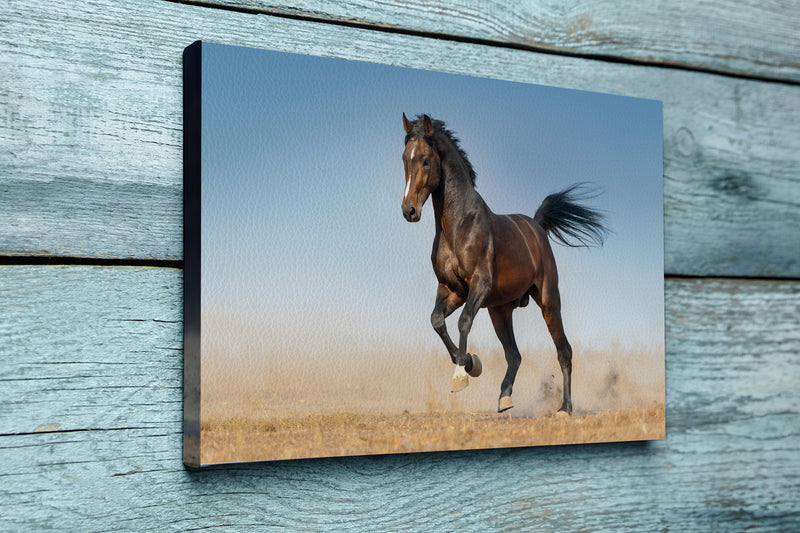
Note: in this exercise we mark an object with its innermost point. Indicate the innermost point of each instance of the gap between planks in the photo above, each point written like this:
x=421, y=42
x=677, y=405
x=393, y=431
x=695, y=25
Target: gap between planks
x=45, y=260
x=41, y=260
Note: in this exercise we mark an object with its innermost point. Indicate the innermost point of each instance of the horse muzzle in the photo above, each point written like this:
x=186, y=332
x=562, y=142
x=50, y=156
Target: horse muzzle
x=411, y=213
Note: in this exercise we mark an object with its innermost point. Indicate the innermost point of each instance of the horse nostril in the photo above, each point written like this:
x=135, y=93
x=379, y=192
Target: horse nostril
x=410, y=212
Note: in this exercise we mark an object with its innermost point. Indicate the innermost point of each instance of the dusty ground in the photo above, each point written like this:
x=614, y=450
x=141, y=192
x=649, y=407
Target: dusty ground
x=355, y=405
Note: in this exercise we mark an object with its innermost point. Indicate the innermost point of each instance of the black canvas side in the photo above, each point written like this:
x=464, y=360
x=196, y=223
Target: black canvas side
x=192, y=90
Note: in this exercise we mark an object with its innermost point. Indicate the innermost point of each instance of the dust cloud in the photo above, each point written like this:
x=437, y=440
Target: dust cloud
x=291, y=384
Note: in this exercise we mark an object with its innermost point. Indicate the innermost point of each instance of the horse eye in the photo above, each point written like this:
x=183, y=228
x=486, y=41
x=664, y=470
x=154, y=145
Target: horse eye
x=426, y=163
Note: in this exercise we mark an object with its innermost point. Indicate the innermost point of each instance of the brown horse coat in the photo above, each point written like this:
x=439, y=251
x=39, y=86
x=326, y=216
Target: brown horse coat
x=482, y=259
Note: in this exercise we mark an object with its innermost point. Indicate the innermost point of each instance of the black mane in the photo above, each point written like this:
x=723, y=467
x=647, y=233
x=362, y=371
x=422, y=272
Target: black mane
x=418, y=130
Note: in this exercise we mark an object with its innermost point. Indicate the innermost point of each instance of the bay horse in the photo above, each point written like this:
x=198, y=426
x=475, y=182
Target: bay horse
x=486, y=260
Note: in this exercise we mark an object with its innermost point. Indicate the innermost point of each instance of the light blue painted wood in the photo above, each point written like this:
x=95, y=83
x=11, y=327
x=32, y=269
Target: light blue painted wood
x=91, y=429
x=91, y=358
x=91, y=159
x=71, y=347
x=749, y=38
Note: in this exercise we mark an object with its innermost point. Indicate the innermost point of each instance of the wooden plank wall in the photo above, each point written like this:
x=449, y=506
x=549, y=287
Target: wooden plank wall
x=91, y=280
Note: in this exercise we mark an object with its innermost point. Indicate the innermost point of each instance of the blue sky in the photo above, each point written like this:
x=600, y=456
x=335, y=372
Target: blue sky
x=304, y=243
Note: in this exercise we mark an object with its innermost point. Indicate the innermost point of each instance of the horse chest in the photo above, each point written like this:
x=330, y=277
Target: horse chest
x=449, y=270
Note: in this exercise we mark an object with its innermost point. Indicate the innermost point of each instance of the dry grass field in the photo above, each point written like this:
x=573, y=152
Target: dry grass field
x=301, y=408
x=338, y=434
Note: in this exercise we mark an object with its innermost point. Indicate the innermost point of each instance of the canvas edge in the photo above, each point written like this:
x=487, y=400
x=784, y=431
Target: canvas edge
x=663, y=215
x=192, y=110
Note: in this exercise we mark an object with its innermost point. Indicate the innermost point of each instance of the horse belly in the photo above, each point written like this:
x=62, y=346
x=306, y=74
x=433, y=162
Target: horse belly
x=510, y=283
x=514, y=268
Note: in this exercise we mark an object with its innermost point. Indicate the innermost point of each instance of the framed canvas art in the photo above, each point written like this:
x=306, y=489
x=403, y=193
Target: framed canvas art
x=387, y=260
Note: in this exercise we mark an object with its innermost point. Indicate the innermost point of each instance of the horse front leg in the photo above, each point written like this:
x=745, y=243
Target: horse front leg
x=446, y=302
x=468, y=363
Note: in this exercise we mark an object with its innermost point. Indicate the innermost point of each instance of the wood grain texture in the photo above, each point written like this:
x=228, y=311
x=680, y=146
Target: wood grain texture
x=742, y=38
x=90, y=431
x=91, y=358
x=91, y=136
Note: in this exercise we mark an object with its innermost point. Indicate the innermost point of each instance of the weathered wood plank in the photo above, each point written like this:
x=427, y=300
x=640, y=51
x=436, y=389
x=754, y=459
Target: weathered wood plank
x=91, y=164
x=91, y=359
x=63, y=365
x=741, y=38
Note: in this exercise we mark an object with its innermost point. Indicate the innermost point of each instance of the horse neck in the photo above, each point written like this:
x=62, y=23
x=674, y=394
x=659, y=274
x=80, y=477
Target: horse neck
x=456, y=198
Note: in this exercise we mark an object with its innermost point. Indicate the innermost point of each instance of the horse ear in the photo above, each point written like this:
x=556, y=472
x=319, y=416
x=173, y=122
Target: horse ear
x=406, y=124
x=426, y=122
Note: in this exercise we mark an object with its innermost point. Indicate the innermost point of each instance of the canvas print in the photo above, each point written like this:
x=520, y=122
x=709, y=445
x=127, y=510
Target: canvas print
x=388, y=260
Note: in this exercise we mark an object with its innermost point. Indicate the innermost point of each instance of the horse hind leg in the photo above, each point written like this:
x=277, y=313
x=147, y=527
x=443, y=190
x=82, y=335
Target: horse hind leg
x=551, y=310
x=565, y=360
x=504, y=328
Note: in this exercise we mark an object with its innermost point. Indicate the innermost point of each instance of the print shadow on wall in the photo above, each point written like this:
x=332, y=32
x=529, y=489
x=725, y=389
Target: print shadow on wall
x=386, y=260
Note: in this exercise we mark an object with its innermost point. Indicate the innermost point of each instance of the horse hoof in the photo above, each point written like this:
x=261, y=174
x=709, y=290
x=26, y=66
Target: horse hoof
x=562, y=414
x=477, y=367
x=505, y=404
x=460, y=379
x=459, y=383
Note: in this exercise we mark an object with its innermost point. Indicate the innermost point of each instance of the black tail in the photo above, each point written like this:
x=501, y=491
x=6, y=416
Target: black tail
x=567, y=221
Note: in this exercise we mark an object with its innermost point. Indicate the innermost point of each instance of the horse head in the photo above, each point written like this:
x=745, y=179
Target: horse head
x=423, y=166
